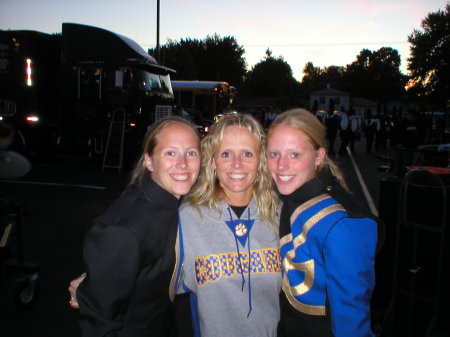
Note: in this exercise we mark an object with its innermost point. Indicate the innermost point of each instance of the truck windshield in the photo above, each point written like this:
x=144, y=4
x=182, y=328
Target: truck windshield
x=154, y=83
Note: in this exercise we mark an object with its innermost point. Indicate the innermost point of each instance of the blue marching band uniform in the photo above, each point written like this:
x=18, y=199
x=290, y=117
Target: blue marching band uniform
x=328, y=255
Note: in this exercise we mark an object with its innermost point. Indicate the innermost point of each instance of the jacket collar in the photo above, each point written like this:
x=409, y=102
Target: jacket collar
x=313, y=187
x=152, y=191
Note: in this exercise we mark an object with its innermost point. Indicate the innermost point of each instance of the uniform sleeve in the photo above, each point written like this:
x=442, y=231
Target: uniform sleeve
x=111, y=256
x=349, y=254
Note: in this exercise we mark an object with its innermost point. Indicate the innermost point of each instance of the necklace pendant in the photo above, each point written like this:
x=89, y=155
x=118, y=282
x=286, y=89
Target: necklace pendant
x=240, y=229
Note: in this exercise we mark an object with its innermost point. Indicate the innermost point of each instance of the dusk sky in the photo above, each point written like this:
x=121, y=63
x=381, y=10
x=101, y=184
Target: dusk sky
x=324, y=32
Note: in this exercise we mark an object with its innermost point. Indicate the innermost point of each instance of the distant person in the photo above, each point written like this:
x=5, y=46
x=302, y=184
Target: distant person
x=328, y=240
x=354, y=131
x=269, y=116
x=371, y=128
x=320, y=116
x=408, y=132
x=393, y=129
x=332, y=122
x=382, y=135
x=12, y=164
x=345, y=131
x=315, y=107
x=129, y=251
x=379, y=131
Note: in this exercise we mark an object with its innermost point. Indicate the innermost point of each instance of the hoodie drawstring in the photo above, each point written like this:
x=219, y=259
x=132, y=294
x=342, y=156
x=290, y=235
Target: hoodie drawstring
x=240, y=262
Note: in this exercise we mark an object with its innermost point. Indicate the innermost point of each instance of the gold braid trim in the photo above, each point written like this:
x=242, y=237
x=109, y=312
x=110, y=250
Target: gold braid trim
x=308, y=266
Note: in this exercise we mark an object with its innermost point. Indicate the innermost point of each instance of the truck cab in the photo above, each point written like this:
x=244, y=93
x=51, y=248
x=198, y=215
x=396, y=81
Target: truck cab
x=60, y=91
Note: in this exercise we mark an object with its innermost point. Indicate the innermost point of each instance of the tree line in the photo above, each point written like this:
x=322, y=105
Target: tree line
x=375, y=74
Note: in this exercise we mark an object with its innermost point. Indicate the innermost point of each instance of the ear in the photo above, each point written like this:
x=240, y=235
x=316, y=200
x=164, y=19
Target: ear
x=321, y=152
x=148, y=162
x=213, y=164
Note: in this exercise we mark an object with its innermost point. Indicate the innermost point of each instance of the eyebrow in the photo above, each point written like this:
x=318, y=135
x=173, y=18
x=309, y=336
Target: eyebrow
x=238, y=150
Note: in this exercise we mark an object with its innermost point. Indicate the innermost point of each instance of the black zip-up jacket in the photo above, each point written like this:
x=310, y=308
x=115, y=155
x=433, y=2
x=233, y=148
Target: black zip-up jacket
x=129, y=258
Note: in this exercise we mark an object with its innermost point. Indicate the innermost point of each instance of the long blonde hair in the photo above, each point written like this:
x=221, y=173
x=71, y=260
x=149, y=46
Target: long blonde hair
x=150, y=143
x=304, y=121
x=207, y=190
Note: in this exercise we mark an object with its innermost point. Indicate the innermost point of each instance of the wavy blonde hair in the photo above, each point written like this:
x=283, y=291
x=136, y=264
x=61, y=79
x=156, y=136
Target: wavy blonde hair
x=207, y=190
x=304, y=121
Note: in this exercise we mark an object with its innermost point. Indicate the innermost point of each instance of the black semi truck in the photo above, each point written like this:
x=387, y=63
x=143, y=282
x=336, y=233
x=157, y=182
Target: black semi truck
x=62, y=91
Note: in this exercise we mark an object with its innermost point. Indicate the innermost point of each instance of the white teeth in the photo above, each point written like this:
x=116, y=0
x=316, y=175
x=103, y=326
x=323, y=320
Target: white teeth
x=285, y=178
x=237, y=176
x=180, y=177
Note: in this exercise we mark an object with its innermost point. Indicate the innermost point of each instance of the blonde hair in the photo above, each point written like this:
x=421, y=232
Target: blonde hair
x=207, y=190
x=151, y=140
x=304, y=121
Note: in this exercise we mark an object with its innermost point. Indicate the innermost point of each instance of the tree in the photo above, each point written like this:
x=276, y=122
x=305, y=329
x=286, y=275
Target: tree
x=214, y=58
x=429, y=63
x=376, y=75
x=311, y=79
x=310, y=73
x=181, y=57
x=272, y=77
x=316, y=78
x=223, y=60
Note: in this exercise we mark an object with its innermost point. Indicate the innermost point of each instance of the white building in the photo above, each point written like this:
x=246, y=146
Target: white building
x=325, y=96
x=363, y=105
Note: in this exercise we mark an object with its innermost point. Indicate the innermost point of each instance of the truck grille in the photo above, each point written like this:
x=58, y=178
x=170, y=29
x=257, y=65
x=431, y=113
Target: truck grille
x=162, y=111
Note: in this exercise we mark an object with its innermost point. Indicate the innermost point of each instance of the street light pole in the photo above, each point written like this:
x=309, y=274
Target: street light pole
x=157, y=29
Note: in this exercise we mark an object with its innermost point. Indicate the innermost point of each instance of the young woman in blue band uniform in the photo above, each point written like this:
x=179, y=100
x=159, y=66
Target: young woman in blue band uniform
x=328, y=241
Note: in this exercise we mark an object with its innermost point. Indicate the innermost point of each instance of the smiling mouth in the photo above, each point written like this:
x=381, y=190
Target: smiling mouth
x=285, y=179
x=180, y=177
x=237, y=176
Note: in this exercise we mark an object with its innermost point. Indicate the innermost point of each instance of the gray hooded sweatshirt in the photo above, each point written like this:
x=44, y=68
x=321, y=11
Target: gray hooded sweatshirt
x=231, y=268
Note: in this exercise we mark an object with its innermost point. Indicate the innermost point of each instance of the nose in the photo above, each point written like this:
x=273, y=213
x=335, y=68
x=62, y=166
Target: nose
x=237, y=162
x=182, y=162
x=282, y=163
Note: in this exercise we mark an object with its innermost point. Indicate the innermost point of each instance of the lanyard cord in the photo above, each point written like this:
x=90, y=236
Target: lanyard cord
x=240, y=262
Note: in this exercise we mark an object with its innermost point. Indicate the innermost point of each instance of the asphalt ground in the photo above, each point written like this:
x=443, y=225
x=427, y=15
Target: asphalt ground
x=62, y=196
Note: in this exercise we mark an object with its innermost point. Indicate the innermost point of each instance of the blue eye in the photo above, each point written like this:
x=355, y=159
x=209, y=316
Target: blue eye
x=295, y=155
x=274, y=154
x=192, y=153
x=248, y=154
x=225, y=154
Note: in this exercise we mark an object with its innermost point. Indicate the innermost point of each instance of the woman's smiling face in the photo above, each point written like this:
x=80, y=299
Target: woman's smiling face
x=291, y=158
x=236, y=162
x=175, y=162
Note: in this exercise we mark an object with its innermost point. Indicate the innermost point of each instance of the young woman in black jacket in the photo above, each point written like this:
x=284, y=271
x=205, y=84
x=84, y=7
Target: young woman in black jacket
x=128, y=251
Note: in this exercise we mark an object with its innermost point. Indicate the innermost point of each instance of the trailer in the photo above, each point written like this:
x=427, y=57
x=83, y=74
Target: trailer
x=64, y=93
